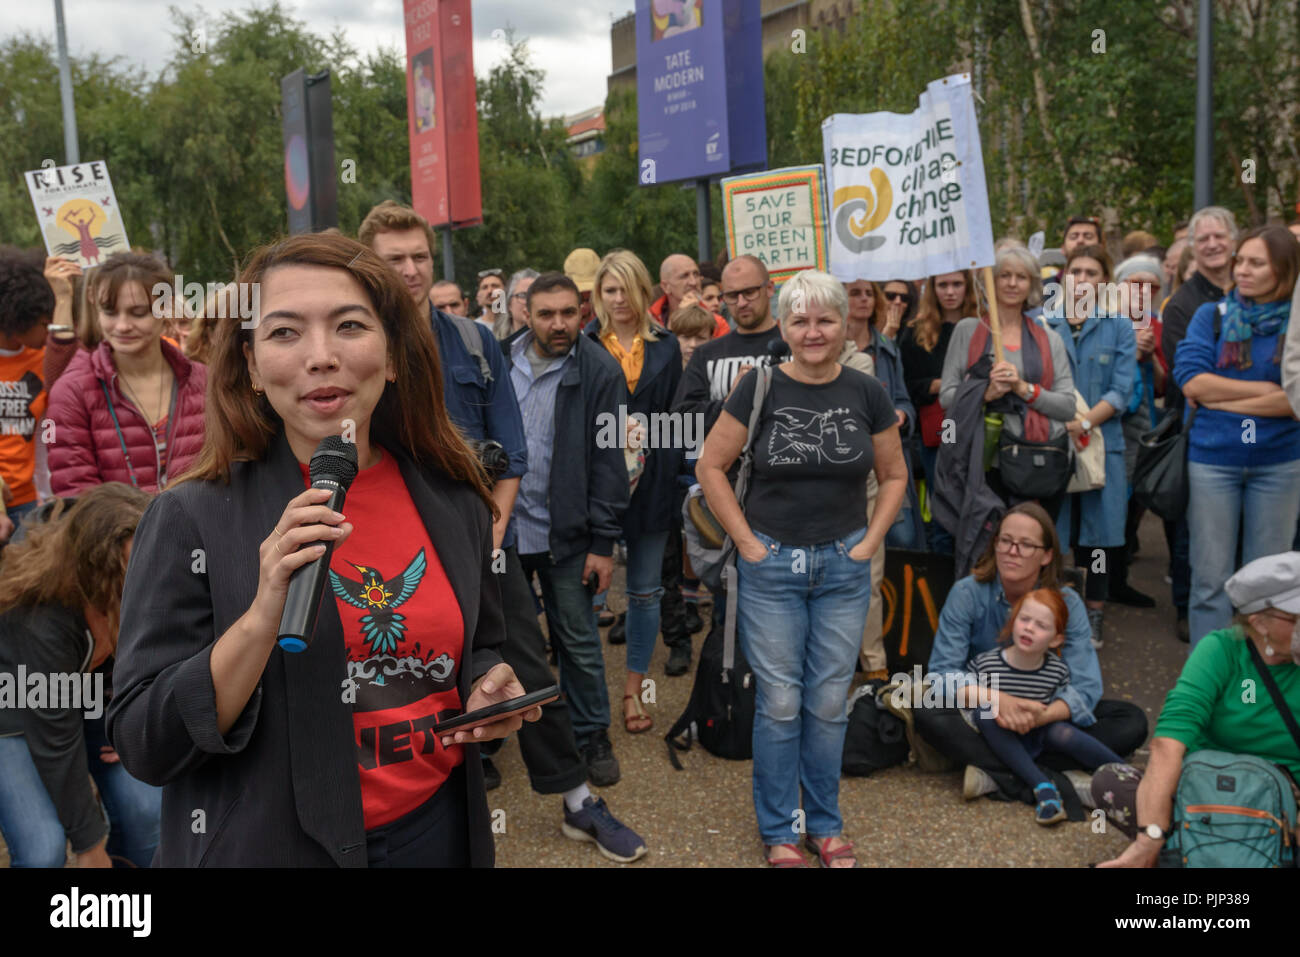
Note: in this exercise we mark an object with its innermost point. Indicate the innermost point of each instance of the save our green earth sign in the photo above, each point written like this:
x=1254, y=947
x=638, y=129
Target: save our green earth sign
x=779, y=216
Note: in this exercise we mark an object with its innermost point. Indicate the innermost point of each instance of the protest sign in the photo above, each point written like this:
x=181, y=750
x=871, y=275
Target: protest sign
x=908, y=197
x=77, y=211
x=780, y=217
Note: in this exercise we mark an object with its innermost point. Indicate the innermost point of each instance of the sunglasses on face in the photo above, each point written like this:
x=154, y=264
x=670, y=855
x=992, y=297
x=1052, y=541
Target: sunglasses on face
x=898, y=297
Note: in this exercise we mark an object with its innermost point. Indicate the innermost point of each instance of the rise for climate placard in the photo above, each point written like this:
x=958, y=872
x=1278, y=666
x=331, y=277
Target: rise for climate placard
x=77, y=211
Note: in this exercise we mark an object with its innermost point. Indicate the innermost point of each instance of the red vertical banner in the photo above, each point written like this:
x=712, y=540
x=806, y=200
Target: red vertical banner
x=461, y=112
x=442, y=112
x=426, y=111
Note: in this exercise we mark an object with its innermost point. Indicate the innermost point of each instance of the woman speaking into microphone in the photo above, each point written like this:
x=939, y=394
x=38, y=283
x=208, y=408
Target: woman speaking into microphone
x=326, y=757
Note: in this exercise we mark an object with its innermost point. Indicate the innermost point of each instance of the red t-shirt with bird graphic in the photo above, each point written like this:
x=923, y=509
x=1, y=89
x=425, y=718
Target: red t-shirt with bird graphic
x=404, y=634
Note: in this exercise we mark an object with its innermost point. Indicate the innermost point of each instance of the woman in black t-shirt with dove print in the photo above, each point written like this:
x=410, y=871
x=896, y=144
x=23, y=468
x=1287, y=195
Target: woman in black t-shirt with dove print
x=804, y=546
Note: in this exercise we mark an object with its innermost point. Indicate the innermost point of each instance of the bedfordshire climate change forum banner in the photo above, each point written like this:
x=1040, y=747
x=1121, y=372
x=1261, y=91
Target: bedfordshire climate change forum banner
x=907, y=192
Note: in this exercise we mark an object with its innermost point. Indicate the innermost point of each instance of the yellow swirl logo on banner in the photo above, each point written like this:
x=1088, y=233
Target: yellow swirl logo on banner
x=858, y=212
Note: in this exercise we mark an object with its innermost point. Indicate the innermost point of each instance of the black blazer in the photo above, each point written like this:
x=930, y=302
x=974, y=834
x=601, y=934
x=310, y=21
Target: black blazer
x=282, y=787
x=654, y=506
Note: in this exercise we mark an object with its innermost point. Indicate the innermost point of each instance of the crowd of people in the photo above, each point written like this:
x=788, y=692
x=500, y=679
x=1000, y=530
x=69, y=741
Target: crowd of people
x=155, y=459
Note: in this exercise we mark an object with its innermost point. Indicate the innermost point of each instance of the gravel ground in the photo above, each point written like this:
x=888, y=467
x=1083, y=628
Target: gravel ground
x=703, y=816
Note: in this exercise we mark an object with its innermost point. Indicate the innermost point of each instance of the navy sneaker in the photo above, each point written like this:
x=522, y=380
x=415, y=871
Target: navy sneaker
x=1049, y=809
x=612, y=838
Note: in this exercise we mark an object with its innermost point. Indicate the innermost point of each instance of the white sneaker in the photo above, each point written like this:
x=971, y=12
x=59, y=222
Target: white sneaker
x=1081, y=781
x=977, y=783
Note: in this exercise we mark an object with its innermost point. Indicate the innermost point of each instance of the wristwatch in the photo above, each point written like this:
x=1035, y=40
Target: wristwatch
x=1154, y=832
x=1086, y=425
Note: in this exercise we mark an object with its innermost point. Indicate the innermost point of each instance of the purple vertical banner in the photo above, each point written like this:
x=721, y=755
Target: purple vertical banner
x=746, y=98
x=681, y=81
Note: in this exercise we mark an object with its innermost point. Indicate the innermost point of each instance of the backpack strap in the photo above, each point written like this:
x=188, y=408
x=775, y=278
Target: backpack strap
x=979, y=341
x=469, y=335
x=729, y=574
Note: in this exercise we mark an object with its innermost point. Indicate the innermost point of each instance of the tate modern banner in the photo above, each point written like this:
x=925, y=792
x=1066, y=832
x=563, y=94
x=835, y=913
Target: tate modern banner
x=700, y=103
x=907, y=193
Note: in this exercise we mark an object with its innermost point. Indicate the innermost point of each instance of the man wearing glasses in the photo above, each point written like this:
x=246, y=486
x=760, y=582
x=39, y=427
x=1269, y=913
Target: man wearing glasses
x=679, y=277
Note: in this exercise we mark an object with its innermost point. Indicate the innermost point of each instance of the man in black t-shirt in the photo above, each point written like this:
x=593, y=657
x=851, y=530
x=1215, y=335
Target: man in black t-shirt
x=717, y=365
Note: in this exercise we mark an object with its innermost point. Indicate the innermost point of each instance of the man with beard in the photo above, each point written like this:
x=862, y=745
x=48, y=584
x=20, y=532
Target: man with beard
x=569, y=512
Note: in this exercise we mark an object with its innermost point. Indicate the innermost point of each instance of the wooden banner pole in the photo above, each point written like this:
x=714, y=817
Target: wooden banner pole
x=995, y=326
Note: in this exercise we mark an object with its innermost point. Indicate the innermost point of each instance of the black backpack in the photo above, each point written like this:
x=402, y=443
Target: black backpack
x=875, y=739
x=720, y=714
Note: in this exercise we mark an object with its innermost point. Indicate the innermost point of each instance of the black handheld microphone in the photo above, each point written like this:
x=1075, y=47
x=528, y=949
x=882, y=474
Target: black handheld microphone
x=778, y=349
x=333, y=467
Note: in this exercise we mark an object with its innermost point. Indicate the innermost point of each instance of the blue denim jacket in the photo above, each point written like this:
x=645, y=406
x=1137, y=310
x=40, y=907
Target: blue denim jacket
x=973, y=616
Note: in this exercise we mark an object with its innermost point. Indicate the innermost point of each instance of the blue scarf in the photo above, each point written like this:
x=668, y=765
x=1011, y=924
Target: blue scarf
x=1244, y=319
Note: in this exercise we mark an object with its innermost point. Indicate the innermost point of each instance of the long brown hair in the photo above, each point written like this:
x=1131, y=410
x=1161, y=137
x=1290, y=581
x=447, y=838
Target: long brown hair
x=1283, y=257
x=986, y=569
x=77, y=558
x=927, y=322
x=411, y=414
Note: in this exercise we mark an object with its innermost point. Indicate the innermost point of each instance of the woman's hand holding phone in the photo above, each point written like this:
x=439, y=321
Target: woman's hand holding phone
x=499, y=684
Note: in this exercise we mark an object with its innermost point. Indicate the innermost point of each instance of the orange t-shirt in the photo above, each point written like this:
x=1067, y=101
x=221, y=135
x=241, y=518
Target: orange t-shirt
x=22, y=403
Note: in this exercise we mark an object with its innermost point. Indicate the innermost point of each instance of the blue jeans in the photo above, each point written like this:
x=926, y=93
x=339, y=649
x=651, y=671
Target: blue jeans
x=1262, y=502
x=134, y=808
x=30, y=821
x=28, y=818
x=571, y=623
x=645, y=562
x=801, y=611
x=940, y=538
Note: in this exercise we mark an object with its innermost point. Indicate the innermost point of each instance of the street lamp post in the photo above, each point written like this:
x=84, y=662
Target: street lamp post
x=73, y=154
x=1204, y=191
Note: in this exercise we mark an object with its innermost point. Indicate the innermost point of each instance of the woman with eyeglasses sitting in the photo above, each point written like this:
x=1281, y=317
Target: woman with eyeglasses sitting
x=1024, y=554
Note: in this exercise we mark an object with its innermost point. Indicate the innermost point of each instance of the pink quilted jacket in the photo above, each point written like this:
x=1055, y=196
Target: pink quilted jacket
x=87, y=450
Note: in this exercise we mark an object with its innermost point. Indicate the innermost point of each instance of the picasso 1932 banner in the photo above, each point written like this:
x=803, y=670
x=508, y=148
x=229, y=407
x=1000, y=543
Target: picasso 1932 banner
x=442, y=112
x=907, y=192
x=77, y=211
x=699, y=88
x=779, y=216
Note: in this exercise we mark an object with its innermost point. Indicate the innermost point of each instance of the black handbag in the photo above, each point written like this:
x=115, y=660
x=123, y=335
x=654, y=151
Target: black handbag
x=1160, y=476
x=1034, y=469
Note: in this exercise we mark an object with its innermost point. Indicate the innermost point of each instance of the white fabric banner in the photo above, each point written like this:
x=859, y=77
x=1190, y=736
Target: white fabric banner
x=907, y=192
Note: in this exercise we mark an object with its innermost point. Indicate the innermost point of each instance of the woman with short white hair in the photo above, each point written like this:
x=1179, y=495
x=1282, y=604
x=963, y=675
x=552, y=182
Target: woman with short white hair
x=515, y=317
x=804, y=555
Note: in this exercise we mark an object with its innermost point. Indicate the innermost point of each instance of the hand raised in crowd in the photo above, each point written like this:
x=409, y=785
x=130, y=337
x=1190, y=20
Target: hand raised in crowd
x=893, y=318
x=1146, y=342
x=304, y=521
x=1003, y=378
x=1018, y=714
x=60, y=273
x=499, y=684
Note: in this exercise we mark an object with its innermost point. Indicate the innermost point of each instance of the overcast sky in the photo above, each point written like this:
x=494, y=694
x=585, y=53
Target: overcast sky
x=569, y=39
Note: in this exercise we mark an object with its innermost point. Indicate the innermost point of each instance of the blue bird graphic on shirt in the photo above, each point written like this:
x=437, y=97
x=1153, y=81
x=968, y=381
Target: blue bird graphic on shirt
x=381, y=626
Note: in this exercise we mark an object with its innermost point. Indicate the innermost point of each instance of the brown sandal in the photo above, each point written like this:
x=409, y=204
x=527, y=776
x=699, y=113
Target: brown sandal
x=828, y=858
x=784, y=862
x=638, y=715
